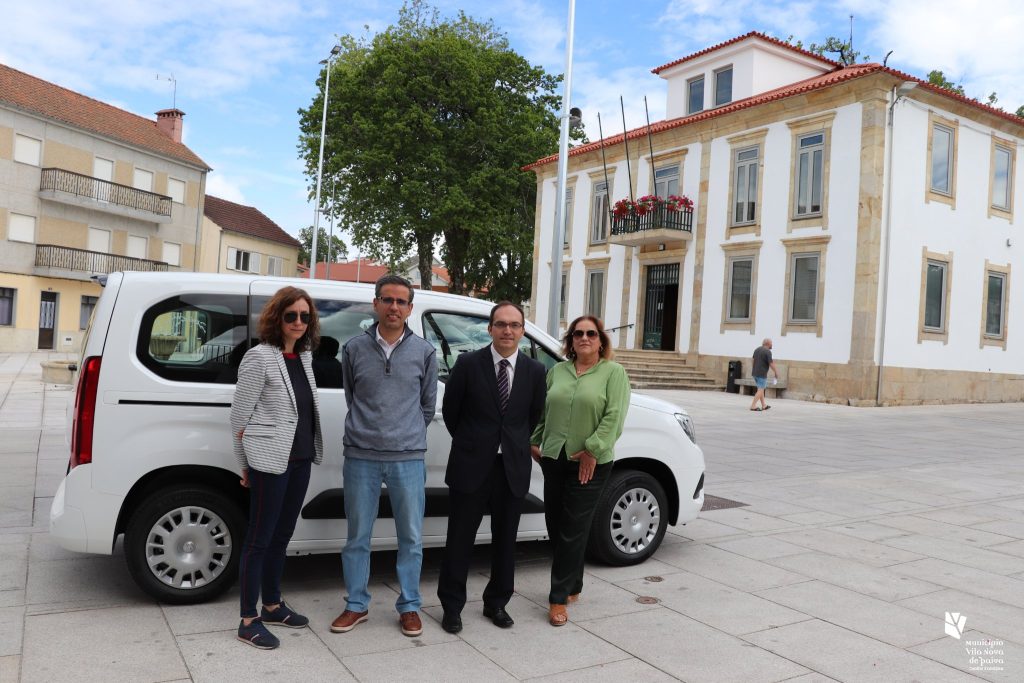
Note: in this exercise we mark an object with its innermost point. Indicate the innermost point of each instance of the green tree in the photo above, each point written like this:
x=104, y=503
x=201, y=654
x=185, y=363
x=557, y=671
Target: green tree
x=936, y=77
x=841, y=49
x=429, y=124
x=338, y=252
x=1020, y=111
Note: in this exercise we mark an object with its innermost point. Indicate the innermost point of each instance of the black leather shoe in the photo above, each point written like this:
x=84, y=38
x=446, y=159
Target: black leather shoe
x=451, y=622
x=498, y=616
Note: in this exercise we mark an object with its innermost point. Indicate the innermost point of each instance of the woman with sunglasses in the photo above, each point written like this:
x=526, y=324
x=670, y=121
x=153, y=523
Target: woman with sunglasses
x=275, y=419
x=587, y=400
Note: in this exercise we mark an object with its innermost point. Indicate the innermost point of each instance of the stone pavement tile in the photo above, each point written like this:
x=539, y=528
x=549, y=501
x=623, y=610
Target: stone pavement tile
x=984, y=584
x=991, y=616
x=550, y=650
x=960, y=553
x=476, y=581
x=840, y=545
x=13, y=572
x=847, y=656
x=867, y=531
x=950, y=532
x=875, y=582
x=16, y=505
x=702, y=529
x=650, y=567
x=968, y=515
x=746, y=519
x=10, y=668
x=1004, y=527
x=12, y=598
x=219, y=656
x=598, y=599
x=41, y=514
x=877, y=619
x=1012, y=504
x=813, y=518
x=763, y=504
x=1015, y=548
x=728, y=568
x=615, y=672
x=11, y=621
x=810, y=678
x=48, y=476
x=691, y=651
x=954, y=653
x=217, y=615
x=899, y=506
x=43, y=547
x=715, y=604
x=759, y=547
x=18, y=440
x=453, y=661
x=19, y=469
x=86, y=579
x=124, y=644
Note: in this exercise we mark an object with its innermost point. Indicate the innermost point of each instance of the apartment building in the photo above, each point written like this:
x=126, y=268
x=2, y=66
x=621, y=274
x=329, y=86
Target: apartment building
x=859, y=216
x=86, y=188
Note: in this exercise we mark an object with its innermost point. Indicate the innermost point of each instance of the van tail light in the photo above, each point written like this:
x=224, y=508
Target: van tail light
x=85, y=412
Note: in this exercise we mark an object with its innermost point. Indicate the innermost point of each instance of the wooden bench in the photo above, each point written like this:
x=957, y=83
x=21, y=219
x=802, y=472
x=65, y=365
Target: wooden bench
x=748, y=381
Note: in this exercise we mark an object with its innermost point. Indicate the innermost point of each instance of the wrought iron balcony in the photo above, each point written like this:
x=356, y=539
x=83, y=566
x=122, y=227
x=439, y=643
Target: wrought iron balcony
x=51, y=256
x=660, y=224
x=69, y=187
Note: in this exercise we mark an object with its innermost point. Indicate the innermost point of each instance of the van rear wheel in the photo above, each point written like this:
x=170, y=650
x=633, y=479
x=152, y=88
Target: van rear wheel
x=182, y=545
x=630, y=520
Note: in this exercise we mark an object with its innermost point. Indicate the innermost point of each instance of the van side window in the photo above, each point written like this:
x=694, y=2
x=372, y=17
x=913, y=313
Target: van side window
x=194, y=338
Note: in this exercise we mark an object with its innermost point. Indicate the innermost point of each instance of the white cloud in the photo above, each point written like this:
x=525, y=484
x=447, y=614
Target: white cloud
x=221, y=186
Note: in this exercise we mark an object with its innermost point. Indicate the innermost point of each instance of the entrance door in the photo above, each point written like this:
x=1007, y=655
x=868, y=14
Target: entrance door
x=47, y=319
x=660, y=303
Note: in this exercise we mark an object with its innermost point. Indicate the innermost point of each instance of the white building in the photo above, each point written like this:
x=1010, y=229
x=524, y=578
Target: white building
x=868, y=228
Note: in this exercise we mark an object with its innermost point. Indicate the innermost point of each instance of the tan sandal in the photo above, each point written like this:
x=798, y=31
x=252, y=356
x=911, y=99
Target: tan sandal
x=557, y=615
x=573, y=598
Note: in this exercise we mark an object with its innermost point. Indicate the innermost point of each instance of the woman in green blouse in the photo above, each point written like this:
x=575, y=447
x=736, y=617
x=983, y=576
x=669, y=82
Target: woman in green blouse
x=588, y=396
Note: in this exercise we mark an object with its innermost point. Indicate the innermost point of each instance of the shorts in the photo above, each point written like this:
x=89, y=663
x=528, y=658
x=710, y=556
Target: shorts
x=761, y=382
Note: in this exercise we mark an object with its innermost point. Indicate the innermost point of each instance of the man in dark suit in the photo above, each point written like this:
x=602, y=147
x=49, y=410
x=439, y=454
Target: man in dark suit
x=492, y=401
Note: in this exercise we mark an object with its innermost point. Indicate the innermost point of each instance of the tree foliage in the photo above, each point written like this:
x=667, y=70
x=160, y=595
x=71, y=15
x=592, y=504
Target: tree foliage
x=339, y=251
x=936, y=77
x=429, y=123
x=837, y=48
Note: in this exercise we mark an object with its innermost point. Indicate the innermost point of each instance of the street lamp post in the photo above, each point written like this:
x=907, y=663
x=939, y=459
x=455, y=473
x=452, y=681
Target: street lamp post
x=335, y=51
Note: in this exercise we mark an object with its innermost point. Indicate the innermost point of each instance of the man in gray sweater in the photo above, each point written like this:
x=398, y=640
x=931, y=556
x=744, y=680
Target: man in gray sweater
x=390, y=381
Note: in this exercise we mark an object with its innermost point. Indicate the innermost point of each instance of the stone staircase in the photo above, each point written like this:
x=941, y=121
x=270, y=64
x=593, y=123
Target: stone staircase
x=664, y=370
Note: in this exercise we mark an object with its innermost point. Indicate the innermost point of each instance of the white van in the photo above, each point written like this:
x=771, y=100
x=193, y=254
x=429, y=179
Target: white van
x=151, y=454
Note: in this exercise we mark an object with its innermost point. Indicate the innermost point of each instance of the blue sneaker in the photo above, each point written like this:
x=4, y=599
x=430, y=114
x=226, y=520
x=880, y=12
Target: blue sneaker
x=283, y=616
x=257, y=635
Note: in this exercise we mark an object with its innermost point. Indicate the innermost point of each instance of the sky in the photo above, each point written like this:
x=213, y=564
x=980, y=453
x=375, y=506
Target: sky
x=243, y=68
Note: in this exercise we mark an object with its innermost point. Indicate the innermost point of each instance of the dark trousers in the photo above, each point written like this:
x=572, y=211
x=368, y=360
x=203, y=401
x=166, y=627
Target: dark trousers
x=569, y=508
x=274, y=504
x=464, y=517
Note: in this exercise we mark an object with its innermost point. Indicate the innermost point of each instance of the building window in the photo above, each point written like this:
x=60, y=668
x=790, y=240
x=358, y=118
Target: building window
x=176, y=190
x=275, y=265
x=599, y=214
x=99, y=240
x=595, y=294
x=805, y=284
x=172, y=254
x=27, y=150
x=7, y=305
x=137, y=246
x=942, y=146
x=1002, y=177
x=21, y=228
x=567, y=235
x=936, y=283
x=723, y=87
x=803, y=307
x=666, y=180
x=995, y=301
x=810, y=174
x=245, y=261
x=695, y=95
x=142, y=180
x=88, y=305
x=746, y=163
x=741, y=276
x=562, y=296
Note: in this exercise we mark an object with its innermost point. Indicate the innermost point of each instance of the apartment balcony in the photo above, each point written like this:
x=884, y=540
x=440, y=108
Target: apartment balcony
x=68, y=187
x=80, y=264
x=658, y=225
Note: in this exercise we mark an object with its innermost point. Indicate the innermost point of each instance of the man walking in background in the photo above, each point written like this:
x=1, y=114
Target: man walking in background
x=762, y=361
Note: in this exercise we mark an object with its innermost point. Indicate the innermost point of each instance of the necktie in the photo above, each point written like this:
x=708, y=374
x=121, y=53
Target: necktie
x=503, y=383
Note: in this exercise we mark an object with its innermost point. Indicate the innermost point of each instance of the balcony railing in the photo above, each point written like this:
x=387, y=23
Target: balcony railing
x=659, y=218
x=104, y=191
x=66, y=258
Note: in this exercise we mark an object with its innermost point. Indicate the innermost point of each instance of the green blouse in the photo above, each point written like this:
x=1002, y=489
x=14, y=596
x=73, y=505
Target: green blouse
x=585, y=412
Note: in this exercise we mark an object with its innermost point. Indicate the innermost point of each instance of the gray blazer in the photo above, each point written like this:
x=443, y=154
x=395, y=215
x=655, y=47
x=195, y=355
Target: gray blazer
x=264, y=406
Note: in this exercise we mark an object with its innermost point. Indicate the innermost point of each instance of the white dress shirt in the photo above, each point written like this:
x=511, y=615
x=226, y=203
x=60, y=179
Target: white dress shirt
x=388, y=348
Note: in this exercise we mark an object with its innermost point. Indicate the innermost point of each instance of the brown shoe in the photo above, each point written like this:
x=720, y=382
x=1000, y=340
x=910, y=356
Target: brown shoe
x=347, y=621
x=411, y=624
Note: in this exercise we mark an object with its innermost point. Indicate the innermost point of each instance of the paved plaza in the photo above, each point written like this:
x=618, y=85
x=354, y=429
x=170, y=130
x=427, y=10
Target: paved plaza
x=861, y=529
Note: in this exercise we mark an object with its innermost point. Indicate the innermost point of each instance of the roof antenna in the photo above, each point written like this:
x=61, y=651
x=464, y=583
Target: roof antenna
x=886, y=60
x=174, y=101
x=851, y=37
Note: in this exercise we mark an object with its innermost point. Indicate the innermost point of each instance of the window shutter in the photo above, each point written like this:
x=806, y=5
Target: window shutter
x=254, y=263
x=232, y=258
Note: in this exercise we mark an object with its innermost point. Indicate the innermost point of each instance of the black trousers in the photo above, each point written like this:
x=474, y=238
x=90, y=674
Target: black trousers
x=569, y=508
x=464, y=516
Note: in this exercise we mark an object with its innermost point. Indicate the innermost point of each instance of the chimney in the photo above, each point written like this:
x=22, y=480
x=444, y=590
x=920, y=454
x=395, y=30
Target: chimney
x=169, y=121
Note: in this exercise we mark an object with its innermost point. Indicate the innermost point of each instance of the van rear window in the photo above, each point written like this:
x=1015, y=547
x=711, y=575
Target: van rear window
x=195, y=338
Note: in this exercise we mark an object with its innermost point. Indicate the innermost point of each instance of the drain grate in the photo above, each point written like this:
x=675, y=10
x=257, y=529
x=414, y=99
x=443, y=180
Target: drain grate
x=716, y=503
x=647, y=600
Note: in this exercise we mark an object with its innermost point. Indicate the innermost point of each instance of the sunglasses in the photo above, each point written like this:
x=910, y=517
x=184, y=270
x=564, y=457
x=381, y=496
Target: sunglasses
x=580, y=333
x=388, y=300
x=292, y=316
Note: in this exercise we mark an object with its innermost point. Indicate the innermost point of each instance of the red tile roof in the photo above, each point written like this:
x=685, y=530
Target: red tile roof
x=246, y=220
x=840, y=75
x=369, y=271
x=43, y=98
x=752, y=34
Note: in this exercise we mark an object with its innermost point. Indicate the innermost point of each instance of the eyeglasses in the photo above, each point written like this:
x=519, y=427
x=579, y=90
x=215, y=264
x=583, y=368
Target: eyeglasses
x=589, y=333
x=502, y=325
x=292, y=316
x=388, y=300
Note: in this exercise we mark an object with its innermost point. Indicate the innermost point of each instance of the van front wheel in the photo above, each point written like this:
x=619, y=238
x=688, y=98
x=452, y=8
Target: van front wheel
x=630, y=520
x=182, y=544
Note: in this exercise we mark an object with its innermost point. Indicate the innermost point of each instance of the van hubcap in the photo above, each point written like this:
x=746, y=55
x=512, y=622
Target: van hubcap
x=188, y=547
x=635, y=519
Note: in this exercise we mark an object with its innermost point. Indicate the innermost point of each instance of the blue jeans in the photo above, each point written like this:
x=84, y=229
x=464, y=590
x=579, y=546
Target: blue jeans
x=406, y=482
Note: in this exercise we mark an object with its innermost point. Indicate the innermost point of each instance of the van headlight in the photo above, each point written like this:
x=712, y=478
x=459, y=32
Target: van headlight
x=686, y=422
